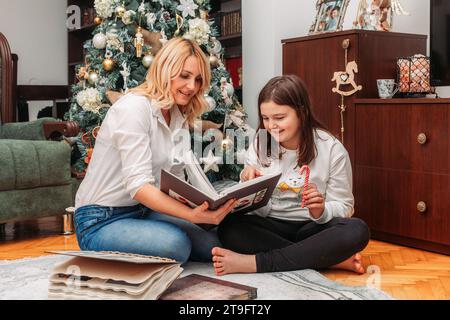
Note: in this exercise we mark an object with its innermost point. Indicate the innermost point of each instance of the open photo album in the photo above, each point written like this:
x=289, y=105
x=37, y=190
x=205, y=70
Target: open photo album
x=90, y=275
x=252, y=194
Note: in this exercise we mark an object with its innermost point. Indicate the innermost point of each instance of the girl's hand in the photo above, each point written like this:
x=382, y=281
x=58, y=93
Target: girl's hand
x=314, y=201
x=201, y=214
x=250, y=173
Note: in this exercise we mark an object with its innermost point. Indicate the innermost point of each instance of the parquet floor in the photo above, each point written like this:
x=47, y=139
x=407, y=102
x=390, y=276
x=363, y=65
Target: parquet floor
x=402, y=272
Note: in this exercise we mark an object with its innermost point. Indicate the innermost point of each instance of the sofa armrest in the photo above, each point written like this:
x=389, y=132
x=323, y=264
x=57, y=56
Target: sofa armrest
x=55, y=130
x=41, y=129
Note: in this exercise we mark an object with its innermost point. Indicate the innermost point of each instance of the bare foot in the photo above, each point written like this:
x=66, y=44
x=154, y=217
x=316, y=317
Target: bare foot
x=354, y=263
x=226, y=262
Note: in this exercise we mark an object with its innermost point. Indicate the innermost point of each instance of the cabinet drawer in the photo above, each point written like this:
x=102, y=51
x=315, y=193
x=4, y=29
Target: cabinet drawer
x=387, y=136
x=388, y=201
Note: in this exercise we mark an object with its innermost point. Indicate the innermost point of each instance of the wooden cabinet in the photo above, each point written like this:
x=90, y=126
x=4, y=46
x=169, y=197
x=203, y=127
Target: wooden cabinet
x=403, y=134
x=399, y=148
x=402, y=170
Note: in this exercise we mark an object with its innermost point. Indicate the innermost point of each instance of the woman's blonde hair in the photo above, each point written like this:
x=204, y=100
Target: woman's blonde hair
x=168, y=65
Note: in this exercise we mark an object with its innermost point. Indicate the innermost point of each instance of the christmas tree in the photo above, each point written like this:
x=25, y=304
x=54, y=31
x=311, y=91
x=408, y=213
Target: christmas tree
x=117, y=58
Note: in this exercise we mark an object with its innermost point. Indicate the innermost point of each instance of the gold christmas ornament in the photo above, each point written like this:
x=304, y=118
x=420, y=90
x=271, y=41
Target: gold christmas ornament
x=147, y=60
x=108, y=64
x=214, y=61
x=98, y=20
x=120, y=11
x=93, y=77
x=179, y=21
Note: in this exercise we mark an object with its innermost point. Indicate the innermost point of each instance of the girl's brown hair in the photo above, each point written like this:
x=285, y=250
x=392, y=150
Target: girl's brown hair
x=290, y=90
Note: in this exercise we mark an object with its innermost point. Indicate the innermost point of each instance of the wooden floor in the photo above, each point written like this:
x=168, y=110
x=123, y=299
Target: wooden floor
x=402, y=272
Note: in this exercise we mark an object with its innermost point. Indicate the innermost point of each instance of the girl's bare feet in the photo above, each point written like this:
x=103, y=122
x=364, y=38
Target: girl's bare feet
x=226, y=262
x=354, y=263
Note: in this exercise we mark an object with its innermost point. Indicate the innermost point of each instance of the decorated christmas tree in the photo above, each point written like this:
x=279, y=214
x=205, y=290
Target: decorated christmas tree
x=128, y=35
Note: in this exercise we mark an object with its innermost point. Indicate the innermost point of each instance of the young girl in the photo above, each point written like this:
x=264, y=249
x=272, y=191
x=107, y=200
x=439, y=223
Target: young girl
x=284, y=236
x=119, y=206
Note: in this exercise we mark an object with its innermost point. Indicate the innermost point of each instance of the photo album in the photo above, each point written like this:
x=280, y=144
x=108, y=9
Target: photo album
x=90, y=275
x=252, y=194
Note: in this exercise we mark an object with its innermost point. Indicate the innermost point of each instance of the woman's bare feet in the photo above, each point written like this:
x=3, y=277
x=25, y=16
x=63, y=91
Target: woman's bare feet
x=226, y=262
x=354, y=263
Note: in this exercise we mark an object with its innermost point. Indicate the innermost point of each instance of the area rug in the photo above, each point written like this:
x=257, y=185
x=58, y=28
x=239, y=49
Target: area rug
x=27, y=279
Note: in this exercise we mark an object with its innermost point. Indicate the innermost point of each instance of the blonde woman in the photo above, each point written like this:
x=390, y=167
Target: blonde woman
x=119, y=206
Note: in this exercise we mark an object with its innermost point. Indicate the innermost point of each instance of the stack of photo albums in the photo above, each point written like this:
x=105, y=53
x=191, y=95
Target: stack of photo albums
x=111, y=275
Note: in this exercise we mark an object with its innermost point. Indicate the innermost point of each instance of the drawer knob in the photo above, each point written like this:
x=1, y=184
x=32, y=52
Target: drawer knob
x=422, y=207
x=422, y=138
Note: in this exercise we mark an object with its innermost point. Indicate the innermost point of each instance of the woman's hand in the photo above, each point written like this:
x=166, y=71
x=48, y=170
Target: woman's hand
x=314, y=201
x=250, y=173
x=201, y=214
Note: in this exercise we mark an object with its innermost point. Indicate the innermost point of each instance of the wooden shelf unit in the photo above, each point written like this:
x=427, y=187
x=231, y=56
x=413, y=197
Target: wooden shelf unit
x=231, y=41
x=77, y=38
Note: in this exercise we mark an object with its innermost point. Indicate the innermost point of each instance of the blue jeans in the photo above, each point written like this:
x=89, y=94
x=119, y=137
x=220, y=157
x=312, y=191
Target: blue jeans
x=140, y=230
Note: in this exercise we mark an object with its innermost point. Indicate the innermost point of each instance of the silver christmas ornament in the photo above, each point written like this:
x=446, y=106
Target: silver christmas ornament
x=211, y=103
x=147, y=60
x=99, y=41
x=229, y=89
x=216, y=47
x=93, y=77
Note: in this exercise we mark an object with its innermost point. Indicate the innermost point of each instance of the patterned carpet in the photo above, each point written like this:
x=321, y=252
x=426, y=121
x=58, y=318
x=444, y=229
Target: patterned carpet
x=27, y=279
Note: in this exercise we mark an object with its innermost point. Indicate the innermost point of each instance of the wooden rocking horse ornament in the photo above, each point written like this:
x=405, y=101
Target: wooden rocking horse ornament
x=346, y=77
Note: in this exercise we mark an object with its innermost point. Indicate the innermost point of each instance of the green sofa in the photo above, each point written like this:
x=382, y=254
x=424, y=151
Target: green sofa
x=35, y=175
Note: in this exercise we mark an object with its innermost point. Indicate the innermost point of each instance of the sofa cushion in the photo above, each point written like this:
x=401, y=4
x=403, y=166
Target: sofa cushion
x=31, y=164
x=16, y=205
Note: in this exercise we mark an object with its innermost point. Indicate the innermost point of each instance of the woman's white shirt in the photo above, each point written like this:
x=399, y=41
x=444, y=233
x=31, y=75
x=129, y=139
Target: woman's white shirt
x=330, y=171
x=133, y=144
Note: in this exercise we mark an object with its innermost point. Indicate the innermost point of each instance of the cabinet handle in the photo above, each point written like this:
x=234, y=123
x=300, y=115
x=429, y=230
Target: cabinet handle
x=422, y=207
x=422, y=138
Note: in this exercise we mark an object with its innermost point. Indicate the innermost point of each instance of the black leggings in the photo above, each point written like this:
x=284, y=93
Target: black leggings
x=285, y=245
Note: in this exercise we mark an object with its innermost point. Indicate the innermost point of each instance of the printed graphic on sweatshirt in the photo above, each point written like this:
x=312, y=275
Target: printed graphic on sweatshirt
x=292, y=182
x=288, y=193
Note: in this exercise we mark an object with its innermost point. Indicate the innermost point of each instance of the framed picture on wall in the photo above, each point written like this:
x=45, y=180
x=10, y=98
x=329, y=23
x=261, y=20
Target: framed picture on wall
x=330, y=16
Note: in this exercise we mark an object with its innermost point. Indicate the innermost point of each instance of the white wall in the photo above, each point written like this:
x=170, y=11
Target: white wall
x=266, y=23
x=36, y=31
x=258, y=51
